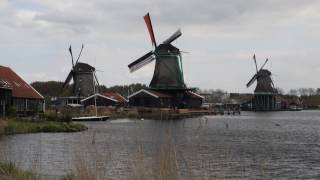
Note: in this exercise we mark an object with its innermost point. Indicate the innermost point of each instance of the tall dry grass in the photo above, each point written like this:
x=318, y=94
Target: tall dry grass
x=9, y=171
x=164, y=166
x=160, y=165
x=168, y=163
x=83, y=171
x=3, y=124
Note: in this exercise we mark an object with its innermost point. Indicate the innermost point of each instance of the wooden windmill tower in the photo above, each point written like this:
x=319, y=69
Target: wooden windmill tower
x=83, y=76
x=168, y=72
x=265, y=93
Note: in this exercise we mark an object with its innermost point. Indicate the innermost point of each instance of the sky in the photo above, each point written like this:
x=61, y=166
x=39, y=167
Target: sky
x=219, y=38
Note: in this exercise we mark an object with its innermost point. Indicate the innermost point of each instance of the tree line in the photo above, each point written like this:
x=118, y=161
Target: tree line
x=54, y=88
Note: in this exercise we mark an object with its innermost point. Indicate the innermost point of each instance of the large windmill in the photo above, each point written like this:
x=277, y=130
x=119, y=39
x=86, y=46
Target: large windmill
x=83, y=76
x=168, y=72
x=265, y=92
x=167, y=84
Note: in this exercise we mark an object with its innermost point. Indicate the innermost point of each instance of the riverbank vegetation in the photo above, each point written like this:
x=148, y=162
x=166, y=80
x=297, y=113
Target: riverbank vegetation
x=48, y=123
x=9, y=170
x=3, y=124
x=18, y=126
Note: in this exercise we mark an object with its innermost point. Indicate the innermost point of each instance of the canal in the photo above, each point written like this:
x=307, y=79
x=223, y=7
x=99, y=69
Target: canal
x=276, y=145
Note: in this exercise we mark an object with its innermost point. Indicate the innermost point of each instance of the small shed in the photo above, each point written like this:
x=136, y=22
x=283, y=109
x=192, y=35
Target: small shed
x=99, y=100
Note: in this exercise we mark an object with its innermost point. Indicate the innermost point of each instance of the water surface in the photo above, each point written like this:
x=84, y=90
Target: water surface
x=277, y=145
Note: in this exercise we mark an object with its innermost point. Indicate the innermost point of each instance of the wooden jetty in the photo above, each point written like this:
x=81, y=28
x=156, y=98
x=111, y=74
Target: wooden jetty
x=171, y=114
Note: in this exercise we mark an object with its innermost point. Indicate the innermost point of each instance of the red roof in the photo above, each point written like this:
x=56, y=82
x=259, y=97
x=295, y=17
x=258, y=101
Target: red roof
x=115, y=96
x=19, y=87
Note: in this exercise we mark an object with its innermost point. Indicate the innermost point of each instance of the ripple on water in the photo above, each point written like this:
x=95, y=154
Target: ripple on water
x=257, y=145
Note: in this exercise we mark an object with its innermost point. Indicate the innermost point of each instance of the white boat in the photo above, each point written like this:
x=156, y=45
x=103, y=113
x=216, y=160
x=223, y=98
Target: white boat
x=91, y=118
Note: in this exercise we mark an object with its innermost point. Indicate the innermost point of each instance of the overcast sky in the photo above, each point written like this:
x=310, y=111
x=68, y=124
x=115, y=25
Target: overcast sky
x=220, y=37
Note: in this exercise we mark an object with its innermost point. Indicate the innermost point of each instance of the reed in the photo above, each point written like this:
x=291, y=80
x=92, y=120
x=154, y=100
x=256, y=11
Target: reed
x=164, y=166
x=9, y=171
x=168, y=166
x=83, y=171
x=3, y=125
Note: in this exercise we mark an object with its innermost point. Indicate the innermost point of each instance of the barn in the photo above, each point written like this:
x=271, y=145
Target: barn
x=17, y=94
x=165, y=99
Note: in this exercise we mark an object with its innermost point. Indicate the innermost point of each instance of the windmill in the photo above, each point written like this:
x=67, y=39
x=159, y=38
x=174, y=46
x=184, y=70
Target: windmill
x=167, y=87
x=168, y=72
x=263, y=78
x=265, y=92
x=83, y=76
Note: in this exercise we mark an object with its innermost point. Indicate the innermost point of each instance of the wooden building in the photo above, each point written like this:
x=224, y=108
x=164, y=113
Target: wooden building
x=5, y=97
x=18, y=94
x=105, y=99
x=165, y=99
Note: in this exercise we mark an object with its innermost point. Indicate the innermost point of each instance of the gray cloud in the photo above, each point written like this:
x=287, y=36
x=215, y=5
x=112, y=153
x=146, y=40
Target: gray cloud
x=221, y=37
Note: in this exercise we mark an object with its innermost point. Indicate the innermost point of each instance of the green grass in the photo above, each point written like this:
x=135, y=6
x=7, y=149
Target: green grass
x=16, y=126
x=9, y=170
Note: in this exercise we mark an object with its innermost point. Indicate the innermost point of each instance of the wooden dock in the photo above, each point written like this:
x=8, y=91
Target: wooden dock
x=168, y=114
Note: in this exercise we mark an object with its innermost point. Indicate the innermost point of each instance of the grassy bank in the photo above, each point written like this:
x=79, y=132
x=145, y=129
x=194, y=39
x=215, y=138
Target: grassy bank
x=18, y=126
x=9, y=171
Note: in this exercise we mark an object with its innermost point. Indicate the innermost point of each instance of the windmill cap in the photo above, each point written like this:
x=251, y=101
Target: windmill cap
x=83, y=67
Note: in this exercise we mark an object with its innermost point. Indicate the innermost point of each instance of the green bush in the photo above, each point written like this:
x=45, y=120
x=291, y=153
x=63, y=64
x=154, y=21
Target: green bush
x=51, y=117
x=66, y=117
x=16, y=126
x=12, y=112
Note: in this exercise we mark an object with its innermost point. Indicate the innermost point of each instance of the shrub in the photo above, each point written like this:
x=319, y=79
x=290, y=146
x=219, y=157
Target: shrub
x=51, y=116
x=66, y=117
x=12, y=112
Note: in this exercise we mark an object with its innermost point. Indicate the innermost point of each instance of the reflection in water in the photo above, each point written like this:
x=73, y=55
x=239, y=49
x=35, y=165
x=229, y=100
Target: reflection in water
x=257, y=145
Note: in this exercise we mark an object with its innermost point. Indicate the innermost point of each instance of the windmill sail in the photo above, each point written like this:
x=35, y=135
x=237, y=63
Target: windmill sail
x=79, y=54
x=255, y=62
x=147, y=20
x=173, y=37
x=264, y=63
x=70, y=50
x=69, y=77
x=252, y=80
x=139, y=63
